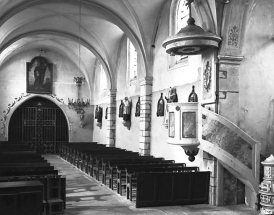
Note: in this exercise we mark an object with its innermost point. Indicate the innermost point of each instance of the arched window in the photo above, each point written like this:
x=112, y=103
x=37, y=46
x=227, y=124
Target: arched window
x=131, y=61
x=182, y=17
x=103, y=78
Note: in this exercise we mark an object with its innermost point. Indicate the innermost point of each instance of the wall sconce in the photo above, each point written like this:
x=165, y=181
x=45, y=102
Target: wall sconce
x=185, y=127
x=78, y=104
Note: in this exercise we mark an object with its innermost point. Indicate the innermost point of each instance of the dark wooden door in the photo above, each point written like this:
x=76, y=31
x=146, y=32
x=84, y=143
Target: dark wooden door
x=41, y=124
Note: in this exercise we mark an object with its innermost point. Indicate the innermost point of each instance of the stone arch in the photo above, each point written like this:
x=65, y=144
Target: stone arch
x=24, y=98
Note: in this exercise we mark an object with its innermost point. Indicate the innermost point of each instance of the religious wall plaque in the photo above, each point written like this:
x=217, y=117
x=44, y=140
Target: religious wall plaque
x=208, y=78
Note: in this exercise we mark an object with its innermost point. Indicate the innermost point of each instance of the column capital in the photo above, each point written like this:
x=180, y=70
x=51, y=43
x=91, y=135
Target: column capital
x=230, y=59
x=146, y=81
x=112, y=91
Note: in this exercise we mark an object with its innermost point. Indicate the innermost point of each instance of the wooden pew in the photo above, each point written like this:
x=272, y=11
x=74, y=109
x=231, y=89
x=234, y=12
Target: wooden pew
x=131, y=178
x=96, y=156
x=22, y=160
x=24, y=197
x=27, y=164
x=109, y=166
x=67, y=148
x=159, y=189
x=28, y=172
x=122, y=172
x=100, y=159
x=63, y=147
x=49, y=187
x=22, y=165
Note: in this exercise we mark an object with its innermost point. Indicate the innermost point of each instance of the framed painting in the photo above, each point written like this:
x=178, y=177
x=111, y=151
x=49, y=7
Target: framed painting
x=39, y=76
x=208, y=78
x=189, y=125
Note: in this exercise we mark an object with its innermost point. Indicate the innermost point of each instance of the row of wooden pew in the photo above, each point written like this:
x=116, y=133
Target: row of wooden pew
x=147, y=180
x=28, y=183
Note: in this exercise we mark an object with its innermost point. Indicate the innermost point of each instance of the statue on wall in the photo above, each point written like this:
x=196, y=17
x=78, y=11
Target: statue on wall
x=127, y=113
x=172, y=97
x=137, y=112
x=96, y=110
x=121, y=109
x=193, y=96
x=106, y=115
x=161, y=106
x=99, y=115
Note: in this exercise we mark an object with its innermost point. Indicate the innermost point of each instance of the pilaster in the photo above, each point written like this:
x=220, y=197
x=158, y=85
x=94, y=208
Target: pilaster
x=111, y=117
x=210, y=164
x=228, y=100
x=145, y=115
x=228, y=82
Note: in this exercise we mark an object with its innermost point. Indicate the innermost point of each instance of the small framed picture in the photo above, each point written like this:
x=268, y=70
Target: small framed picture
x=208, y=78
x=39, y=76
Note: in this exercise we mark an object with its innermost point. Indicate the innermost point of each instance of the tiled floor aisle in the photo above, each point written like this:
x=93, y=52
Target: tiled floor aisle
x=86, y=196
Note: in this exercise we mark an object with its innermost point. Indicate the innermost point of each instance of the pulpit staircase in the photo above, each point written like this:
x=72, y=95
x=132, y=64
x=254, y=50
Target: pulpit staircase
x=235, y=150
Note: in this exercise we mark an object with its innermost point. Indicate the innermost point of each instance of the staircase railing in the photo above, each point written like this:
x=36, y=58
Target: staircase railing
x=235, y=149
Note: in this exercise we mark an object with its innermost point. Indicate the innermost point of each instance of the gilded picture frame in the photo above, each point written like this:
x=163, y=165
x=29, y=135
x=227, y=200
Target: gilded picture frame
x=39, y=76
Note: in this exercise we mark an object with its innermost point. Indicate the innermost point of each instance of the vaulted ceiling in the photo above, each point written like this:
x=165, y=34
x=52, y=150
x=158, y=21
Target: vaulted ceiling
x=61, y=25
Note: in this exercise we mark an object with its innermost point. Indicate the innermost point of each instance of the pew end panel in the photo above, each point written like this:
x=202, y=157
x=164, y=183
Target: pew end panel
x=159, y=189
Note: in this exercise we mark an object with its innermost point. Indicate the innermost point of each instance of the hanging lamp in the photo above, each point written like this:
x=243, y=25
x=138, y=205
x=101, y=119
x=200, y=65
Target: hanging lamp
x=190, y=40
x=79, y=104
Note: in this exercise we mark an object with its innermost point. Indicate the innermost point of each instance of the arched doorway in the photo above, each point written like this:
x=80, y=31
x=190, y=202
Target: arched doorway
x=41, y=124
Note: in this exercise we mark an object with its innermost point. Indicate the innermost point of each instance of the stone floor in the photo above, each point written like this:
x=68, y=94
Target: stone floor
x=86, y=196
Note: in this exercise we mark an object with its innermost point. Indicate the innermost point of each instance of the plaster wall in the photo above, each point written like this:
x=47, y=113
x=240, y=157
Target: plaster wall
x=99, y=94
x=99, y=133
x=13, y=85
x=256, y=103
x=182, y=76
x=125, y=86
x=128, y=139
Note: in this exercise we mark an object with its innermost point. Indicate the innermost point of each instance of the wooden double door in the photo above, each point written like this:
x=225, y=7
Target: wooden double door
x=41, y=124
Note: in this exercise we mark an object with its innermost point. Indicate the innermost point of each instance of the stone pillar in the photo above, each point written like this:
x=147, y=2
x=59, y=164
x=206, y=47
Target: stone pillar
x=145, y=115
x=111, y=118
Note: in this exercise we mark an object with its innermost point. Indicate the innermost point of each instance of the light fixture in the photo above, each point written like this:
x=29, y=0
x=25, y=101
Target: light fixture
x=79, y=104
x=190, y=40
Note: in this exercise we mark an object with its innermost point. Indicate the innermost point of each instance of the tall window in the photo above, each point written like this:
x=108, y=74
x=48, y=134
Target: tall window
x=131, y=61
x=182, y=17
x=103, y=78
